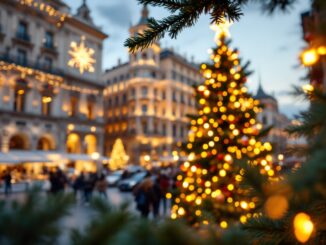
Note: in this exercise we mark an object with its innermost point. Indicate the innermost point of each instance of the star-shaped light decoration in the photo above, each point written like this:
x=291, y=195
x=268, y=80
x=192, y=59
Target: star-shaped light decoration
x=81, y=56
x=221, y=29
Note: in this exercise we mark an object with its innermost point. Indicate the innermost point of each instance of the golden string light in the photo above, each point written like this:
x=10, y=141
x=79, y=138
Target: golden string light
x=46, y=78
x=81, y=57
x=303, y=227
x=46, y=9
x=228, y=123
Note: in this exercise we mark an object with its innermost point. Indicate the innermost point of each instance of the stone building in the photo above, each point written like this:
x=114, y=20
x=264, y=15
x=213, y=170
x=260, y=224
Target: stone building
x=46, y=104
x=272, y=117
x=147, y=100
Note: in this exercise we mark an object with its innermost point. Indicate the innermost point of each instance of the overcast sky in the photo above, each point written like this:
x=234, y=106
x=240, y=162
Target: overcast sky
x=271, y=43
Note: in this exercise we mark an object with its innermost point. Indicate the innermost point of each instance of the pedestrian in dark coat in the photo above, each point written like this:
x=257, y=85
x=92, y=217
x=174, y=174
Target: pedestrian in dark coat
x=143, y=196
x=7, y=182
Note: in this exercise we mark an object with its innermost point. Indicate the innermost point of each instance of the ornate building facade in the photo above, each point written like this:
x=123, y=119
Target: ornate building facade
x=271, y=117
x=48, y=100
x=147, y=101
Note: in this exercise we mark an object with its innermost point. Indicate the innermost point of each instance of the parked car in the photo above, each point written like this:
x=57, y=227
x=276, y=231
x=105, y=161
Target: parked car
x=130, y=183
x=134, y=169
x=114, y=178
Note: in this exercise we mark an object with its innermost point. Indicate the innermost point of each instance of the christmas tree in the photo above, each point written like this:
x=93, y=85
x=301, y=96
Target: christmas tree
x=223, y=133
x=119, y=158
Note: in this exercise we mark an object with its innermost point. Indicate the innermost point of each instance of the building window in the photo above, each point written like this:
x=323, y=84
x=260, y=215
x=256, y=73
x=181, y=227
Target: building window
x=144, y=91
x=145, y=127
x=49, y=40
x=174, y=96
x=181, y=132
x=264, y=119
x=46, y=105
x=174, y=75
x=164, y=129
x=22, y=57
x=74, y=101
x=144, y=56
x=174, y=130
x=124, y=98
x=182, y=98
x=19, y=104
x=48, y=63
x=22, y=31
x=163, y=95
x=144, y=109
x=90, y=110
x=133, y=92
x=155, y=128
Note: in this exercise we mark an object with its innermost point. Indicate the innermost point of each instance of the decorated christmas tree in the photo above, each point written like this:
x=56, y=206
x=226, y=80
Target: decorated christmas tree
x=223, y=134
x=119, y=158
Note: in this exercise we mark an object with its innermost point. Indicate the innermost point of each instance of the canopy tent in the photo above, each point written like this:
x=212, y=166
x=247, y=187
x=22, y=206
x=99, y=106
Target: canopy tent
x=19, y=156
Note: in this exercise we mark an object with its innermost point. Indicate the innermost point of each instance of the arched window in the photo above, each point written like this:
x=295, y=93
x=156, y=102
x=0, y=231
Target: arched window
x=73, y=143
x=21, y=89
x=91, y=101
x=18, y=142
x=91, y=143
x=45, y=144
x=74, y=103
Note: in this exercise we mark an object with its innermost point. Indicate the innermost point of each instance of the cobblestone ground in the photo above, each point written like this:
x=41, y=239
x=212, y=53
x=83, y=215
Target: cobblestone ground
x=80, y=213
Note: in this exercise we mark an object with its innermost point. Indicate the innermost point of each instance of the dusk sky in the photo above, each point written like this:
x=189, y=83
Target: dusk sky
x=271, y=43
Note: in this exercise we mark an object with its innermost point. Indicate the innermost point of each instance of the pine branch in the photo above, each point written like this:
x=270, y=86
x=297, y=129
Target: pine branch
x=185, y=13
x=266, y=231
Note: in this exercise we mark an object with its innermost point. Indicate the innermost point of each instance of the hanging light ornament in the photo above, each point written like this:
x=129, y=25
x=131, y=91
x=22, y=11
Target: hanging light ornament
x=303, y=227
x=81, y=57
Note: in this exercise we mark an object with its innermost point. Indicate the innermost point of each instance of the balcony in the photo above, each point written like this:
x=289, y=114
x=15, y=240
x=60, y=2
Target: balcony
x=23, y=39
x=49, y=48
x=36, y=65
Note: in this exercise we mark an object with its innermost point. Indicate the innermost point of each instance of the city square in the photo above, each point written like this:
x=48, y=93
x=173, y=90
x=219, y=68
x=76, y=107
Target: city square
x=159, y=122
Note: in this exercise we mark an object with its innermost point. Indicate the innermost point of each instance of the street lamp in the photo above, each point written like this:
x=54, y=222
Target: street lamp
x=95, y=157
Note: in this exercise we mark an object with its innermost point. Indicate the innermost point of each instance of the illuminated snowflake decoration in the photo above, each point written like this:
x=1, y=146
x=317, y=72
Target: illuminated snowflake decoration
x=81, y=57
x=221, y=29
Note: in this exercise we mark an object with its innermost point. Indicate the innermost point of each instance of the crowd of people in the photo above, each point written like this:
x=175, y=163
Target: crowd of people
x=149, y=194
x=86, y=183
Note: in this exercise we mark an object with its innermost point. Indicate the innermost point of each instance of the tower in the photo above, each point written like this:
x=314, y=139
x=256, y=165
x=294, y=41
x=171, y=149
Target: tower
x=83, y=12
x=144, y=63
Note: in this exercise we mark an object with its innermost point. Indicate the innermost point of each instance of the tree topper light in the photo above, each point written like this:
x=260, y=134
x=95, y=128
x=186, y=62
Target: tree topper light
x=221, y=29
x=81, y=56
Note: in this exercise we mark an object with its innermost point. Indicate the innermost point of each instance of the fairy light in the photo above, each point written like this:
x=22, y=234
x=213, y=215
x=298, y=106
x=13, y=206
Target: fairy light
x=45, y=78
x=46, y=9
x=228, y=119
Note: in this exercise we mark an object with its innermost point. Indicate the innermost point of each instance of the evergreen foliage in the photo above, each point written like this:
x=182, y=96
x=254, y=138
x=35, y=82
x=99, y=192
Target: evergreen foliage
x=119, y=157
x=33, y=221
x=224, y=132
x=185, y=13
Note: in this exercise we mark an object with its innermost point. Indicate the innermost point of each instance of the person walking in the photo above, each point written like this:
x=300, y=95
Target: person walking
x=88, y=186
x=7, y=182
x=143, y=196
x=156, y=195
x=164, y=182
x=78, y=184
x=101, y=186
